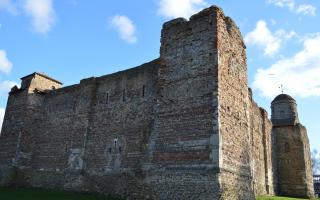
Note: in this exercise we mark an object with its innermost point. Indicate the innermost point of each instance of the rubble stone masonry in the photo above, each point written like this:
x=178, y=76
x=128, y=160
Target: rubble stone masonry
x=183, y=126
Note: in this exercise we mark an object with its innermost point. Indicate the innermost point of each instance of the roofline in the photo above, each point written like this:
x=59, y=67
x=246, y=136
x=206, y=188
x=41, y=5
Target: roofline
x=43, y=75
x=288, y=98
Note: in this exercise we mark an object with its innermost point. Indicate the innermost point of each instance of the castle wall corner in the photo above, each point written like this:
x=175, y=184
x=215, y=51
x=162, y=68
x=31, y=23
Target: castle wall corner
x=234, y=112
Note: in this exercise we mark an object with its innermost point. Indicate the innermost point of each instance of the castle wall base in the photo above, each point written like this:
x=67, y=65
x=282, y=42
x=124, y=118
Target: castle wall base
x=168, y=184
x=236, y=186
x=7, y=175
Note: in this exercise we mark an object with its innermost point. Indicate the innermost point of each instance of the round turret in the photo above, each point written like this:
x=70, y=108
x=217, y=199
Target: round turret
x=284, y=111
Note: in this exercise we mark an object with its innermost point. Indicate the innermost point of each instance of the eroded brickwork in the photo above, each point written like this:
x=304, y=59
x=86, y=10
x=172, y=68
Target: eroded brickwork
x=233, y=112
x=261, y=150
x=291, y=148
x=183, y=126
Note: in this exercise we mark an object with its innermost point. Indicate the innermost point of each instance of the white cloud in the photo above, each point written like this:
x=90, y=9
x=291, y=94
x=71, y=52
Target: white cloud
x=2, y=111
x=283, y=3
x=42, y=14
x=8, y=6
x=298, y=74
x=262, y=37
x=180, y=8
x=5, y=87
x=306, y=9
x=125, y=28
x=5, y=64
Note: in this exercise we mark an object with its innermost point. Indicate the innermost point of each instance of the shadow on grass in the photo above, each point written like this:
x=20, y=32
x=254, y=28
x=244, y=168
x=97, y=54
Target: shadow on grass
x=42, y=194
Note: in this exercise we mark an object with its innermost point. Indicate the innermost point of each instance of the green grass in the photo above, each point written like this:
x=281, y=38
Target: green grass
x=277, y=198
x=40, y=194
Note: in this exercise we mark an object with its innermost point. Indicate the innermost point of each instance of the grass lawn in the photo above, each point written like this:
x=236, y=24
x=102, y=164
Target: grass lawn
x=277, y=198
x=39, y=194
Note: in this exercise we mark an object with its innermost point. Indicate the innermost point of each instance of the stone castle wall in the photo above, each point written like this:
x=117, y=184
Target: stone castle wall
x=98, y=127
x=185, y=158
x=183, y=126
x=261, y=151
x=292, y=147
x=234, y=112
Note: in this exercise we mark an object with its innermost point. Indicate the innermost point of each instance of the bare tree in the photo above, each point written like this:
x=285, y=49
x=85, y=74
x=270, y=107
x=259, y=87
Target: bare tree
x=315, y=156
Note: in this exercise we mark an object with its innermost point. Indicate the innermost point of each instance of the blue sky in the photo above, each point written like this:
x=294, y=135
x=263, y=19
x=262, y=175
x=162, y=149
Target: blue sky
x=74, y=39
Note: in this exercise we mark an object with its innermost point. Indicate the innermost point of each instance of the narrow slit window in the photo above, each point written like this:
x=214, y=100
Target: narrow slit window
x=107, y=98
x=143, y=90
x=123, y=95
x=286, y=147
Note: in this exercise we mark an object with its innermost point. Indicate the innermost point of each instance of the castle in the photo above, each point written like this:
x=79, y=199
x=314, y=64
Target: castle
x=183, y=126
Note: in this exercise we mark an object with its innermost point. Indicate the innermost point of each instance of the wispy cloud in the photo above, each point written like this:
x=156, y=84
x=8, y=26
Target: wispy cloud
x=270, y=42
x=42, y=14
x=5, y=64
x=299, y=74
x=8, y=6
x=304, y=9
x=283, y=3
x=180, y=8
x=125, y=28
x=5, y=87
